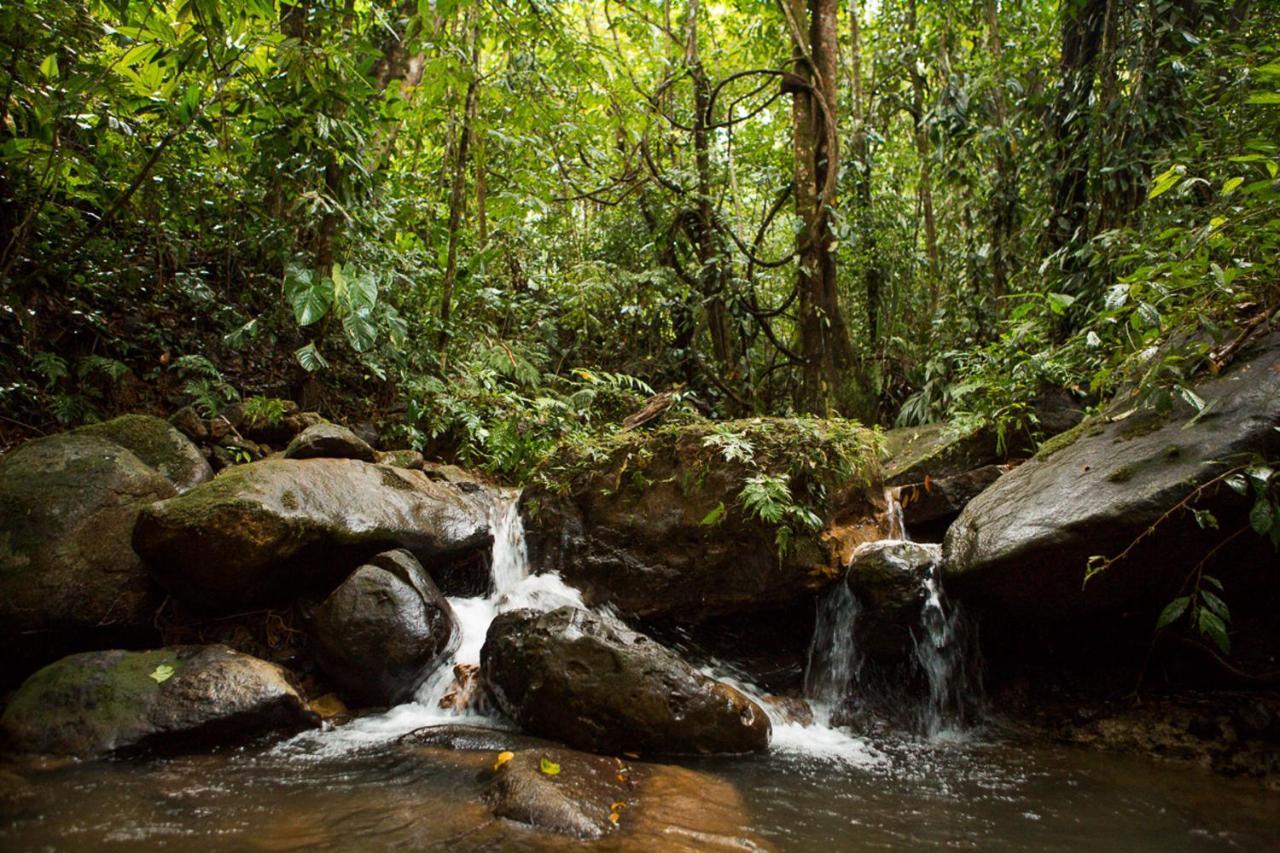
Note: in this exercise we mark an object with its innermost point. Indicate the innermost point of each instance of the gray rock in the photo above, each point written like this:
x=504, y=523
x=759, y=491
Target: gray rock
x=1019, y=550
x=181, y=697
x=158, y=444
x=329, y=441
x=380, y=633
x=888, y=579
x=938, y=501
x=267, y=531
x=69, y=579
x=589, y=681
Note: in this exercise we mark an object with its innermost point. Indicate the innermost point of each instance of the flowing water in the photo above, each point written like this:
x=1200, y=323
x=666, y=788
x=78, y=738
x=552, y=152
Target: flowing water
x=357, y=788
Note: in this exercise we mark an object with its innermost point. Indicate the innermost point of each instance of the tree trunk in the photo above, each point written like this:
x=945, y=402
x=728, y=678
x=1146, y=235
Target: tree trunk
x=1004, y=207
x=1082, y=26
x=711, y=278
x=458, y=194
x=923, y=153
x=823, y=335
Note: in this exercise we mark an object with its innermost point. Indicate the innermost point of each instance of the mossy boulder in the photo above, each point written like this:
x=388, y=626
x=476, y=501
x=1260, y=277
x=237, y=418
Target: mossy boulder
x=328, y=440
x=692, y=521
x=587, y=680
x=268, y=531
x=936, y=451
x=1019, y=551
x=158, y=444
x=97, y=703
x=383, y=630
x=69, y=578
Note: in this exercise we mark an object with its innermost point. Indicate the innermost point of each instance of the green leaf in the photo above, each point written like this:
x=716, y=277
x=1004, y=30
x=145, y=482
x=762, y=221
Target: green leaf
x=1230, y=186
x=49, y=67
x=1205, y=519
x=1165, y=181
x=1260, y=516
x=361, y=332
x=1216, y=604
x=1211, y=625
x=1238, y=484
x=1060, y=302
x=714, y=516
x=1173, y=611
x=310, y=298
x=162, y=673
x=549, y=767
x=1264, y=98
x=311, y=359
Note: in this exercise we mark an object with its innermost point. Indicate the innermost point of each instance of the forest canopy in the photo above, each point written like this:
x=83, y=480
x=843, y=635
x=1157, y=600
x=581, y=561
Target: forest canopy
x=503, y=223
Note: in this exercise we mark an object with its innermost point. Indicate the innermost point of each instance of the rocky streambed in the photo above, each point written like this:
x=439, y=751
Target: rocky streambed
x=700, y=635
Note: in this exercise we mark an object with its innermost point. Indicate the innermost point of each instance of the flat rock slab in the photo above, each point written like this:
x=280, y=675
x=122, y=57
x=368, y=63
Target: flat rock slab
x=270, y=530
x=96, y=703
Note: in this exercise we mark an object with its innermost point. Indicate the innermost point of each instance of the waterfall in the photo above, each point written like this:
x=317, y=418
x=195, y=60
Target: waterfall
x=948, y=657
x=833, y=662
x=893, y=515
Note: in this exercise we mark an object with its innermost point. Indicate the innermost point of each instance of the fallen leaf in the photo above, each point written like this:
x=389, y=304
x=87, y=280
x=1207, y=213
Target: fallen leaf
x=503, y=758
x=162, y=673
x=613, y=816
x=548, y=766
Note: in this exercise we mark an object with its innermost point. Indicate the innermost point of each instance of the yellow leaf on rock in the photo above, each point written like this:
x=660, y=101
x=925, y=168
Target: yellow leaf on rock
x=503, y=758
x=548, y=766
x=162, y=673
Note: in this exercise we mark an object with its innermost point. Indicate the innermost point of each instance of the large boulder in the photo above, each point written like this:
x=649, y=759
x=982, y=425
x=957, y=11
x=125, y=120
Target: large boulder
x=264, y=532
x=380, y=633
x=69, y=579
x=328, y=440
x=591, y=682
x=935, y=451
x=158, y=444
x=929, y=507
x=96, y=703
x=1020, y=548
x=690, y=522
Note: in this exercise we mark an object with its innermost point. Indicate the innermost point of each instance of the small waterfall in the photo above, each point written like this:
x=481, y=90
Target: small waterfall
x=945, y=651
x=833, y=662
x=893, y=515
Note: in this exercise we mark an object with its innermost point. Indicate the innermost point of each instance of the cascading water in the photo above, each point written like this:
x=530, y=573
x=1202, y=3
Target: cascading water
x=833, y=660
x=893, y=515
x=511, y=587
x=944, y=650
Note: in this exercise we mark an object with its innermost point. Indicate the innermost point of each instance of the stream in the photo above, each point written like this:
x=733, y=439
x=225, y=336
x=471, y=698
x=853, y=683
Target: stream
x=359, y=786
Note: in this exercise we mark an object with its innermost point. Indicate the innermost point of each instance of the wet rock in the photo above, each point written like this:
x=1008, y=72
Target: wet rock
x=368, y=432
x=888, y=579
x=69, y=579
x=1019, y=550
x=329, y=441
x=926, y=506
x=188, y=422
x=575, y=800
x=410, y=459
x=268, y=531
x=180, y=697
x=383, y=630
x=791, y=709
x=937, y=451
x=158, y=444
x=654, y=523
x=589, y=681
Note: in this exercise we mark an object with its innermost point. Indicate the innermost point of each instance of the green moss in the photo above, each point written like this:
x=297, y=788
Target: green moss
x=1123, y=474
x=1063, y=440
x=152, y=440
x=1141, y=423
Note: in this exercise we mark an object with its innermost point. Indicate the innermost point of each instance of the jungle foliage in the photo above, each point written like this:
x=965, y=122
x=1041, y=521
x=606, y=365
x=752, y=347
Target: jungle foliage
x=505, y=223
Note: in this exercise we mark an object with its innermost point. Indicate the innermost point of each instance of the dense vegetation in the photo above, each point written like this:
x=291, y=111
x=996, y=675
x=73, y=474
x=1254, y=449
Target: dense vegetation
x=497, y=224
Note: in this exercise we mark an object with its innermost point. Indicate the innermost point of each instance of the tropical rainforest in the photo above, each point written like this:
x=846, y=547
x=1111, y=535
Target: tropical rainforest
x=480, y=393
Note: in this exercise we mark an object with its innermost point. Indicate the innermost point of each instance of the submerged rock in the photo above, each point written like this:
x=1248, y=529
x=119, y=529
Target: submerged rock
x=591, y=682
x=659, y=524
x=329, y=441
x=69, y=579
x=180, y=697
x=380, y=633
x=1020, y=549
x=266, y=531
x=158, y=444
